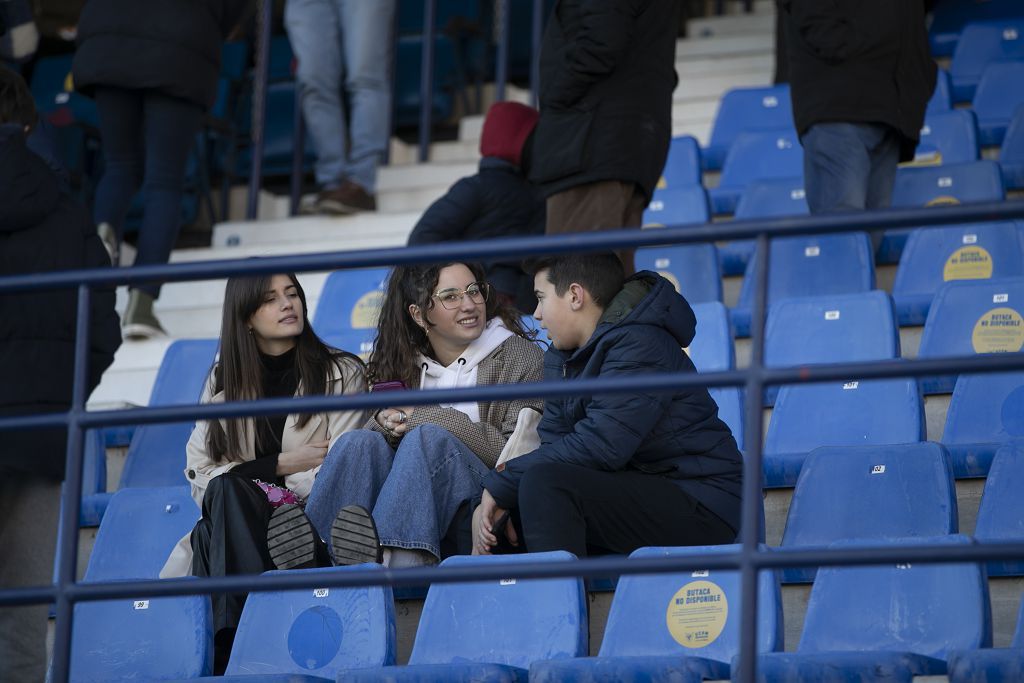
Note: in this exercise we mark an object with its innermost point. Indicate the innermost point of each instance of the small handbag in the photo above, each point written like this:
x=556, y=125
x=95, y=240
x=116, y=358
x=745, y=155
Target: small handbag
x=278, y=495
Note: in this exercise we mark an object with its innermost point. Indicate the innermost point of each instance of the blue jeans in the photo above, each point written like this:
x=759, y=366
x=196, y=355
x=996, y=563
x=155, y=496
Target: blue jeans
x=413, y=492
x=147, y=137
x=849, y=166
x=344, y=45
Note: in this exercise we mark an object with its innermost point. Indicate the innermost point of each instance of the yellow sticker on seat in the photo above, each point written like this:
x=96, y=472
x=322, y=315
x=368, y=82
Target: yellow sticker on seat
x=968, y=263
x=1001, y=330
x=697, y=614
x=367, y=309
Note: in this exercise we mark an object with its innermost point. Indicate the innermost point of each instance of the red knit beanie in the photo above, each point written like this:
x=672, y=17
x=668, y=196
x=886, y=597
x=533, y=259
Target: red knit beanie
x=506, y=128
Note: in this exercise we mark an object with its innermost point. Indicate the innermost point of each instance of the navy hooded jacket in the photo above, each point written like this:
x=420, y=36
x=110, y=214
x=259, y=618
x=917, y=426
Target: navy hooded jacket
x=676, y=435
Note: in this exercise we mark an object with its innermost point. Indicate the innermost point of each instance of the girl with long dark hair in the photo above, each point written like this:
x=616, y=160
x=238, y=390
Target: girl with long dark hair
x=399, y=491
x=249, y=475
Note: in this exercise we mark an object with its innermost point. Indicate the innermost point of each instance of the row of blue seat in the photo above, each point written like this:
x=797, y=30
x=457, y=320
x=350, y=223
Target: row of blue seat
x=949, y=17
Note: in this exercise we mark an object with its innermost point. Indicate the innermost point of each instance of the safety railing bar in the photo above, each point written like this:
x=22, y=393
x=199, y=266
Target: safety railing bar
x=591, y=567
x=519, y=247
x=662, y=382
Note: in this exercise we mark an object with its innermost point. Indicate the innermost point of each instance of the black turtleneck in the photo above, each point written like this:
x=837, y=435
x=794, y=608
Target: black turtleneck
x=278, y=378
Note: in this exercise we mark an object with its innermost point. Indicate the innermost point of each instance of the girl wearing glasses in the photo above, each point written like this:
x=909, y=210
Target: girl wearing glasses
x=399, y=491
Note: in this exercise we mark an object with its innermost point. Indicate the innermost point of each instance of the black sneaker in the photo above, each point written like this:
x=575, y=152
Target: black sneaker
x=354, y=537
x=291, y=539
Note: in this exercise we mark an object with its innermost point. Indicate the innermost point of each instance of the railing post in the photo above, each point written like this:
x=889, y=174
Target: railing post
x=298, y=154
x=536, y=30
x=752, y=468
x=503, y=17
x=259, y=107
x=71, y=498
x=427, y=79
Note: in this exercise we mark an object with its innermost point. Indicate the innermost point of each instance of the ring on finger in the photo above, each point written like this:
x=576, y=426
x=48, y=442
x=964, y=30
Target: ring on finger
x=401, y=416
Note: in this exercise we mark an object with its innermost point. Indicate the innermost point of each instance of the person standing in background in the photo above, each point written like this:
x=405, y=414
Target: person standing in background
x=152, y=68
x=344, y=55
x=607, y=74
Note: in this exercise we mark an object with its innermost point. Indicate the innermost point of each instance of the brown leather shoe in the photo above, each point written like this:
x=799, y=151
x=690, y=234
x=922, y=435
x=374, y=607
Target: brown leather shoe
x=345, y=199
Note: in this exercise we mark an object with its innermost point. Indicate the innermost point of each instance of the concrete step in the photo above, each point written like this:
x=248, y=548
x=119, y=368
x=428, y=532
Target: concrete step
x=725, y=46
x=731, y=25
x=360, y=231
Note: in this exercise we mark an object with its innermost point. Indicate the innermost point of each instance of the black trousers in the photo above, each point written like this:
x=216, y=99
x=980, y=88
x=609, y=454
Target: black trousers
x=231, y=538
x=591, y=512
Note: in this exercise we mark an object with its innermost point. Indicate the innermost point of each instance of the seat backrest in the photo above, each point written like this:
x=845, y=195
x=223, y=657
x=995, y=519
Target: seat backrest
x=853, y=413
x=766, y=154
x=942, y=96
x=51, y=82
x=1001, y=513
x=712, y=348
x=142, y=639
x=138, y=531
x=999, y=92
x=1012, y=150
x=677, y=206
x=183, y=372
x=886, y=492
x=948, y=137
x=730, y=411
x=315, y=631
x=814, y=265
x=981, y=43
x=926, y=609
x=832, y=329
x=694, y=613
x=510, y=621
x=683, y=165
x=951, y=16
x=360, y=342
x=771, y=197
x=350, y=300
x=975, y=181
x=986, y=409
x=692, y=268
x=744, y=110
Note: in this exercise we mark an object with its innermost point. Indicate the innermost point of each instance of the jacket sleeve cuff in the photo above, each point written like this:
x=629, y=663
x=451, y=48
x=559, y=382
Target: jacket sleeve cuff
x=264, y=469
x=503, y=488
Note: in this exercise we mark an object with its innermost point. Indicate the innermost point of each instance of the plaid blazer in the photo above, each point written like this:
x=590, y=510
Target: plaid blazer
x=516, y=360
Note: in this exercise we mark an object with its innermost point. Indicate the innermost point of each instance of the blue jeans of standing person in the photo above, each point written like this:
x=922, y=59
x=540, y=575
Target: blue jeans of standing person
x=147, y=137
x=344, y=55
x=414, y=492
x=849, y=166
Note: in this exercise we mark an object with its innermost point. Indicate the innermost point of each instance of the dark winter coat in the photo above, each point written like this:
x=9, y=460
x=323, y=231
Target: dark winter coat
x=166, y=45
x=859, y=61
x=607, y=73
x=676, y=435
x=496, y=202
x=44, y=230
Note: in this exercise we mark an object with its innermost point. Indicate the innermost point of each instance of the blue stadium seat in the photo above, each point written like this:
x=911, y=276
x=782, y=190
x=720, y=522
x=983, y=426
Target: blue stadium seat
x=315, y=631
x=682, y=167
x=972, y=316
x=981, y=44
x=999, y=94
x=951, y=16
x=854, y=413
x=139, y=530
x=1001, y=514
x=769, y=198
x=730, y=411
x=712, y=349
x=948, y=137
x=678, y=206
x=492, y=630
x=360, y=342
x=985, y=412
x=976, y=181
x=531, y=325
x=975, y=251
x=757, y=156
x=942, y=96
x=654, y=634
x=692, y=268
x=94, y=480
x=988, y=665
x=142, y=639
x=835, y=329
x=886, y=492
x=746, y=110
x=887, y=623
x=408, y=56
x=350, y=300
x=1011, y=154
x=809, y=265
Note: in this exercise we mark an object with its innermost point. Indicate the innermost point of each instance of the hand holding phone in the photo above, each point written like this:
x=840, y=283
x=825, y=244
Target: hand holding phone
x=394, y=420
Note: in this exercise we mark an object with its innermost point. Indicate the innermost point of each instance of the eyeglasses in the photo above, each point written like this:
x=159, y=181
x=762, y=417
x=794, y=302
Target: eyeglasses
x=452, y=298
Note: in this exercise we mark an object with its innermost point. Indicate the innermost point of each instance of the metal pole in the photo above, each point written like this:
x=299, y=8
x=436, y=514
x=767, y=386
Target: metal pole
x=259, y=107
x=71, y=499
x=752, y=496
x=536, y=30
x=503, y=17
x=427, y=80
x=298, y=154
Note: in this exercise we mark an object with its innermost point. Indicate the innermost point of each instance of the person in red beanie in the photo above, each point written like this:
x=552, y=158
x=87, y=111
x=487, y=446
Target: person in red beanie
x=496, y=202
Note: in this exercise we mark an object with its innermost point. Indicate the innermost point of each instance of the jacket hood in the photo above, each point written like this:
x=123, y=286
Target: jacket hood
x=506, y=128
x=28, y=189
x=435, y=375
x=648, y=299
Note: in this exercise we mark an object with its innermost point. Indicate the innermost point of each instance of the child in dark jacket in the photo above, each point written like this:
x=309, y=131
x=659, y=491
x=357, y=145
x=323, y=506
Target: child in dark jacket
x=496, y=202
x=616, y=472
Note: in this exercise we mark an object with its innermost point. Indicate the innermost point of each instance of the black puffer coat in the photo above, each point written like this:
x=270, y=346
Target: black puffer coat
x=607, y=74
x=44, y=230
x=172, y=46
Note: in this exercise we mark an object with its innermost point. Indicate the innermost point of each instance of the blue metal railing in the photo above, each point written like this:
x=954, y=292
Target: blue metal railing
x=748, y=559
